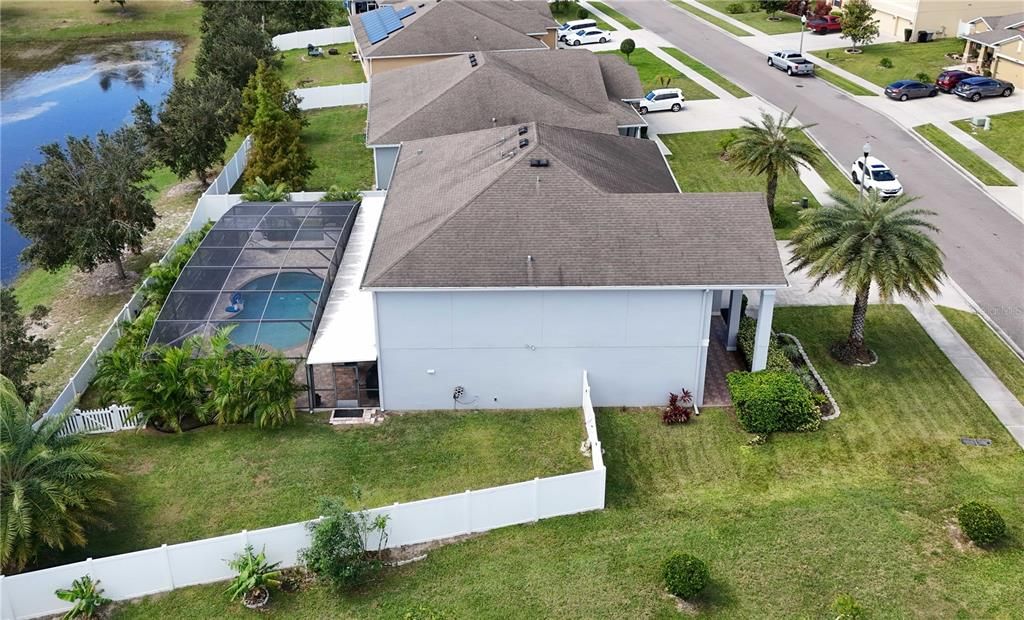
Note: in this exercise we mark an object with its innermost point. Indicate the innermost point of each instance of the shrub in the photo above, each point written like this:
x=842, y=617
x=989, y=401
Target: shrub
x=259, y=191
x=87, y=597
x=885, y=63
x=582, y=13
x=770, y=401
x=160, y=277
x=336, y=552
x=627, y=47
x=777, y=360
x=685, y=575
x=981, y=522
x=791, y=351
x=254, y=573
x=735, y=8
x=724, y=143
x=679, y=409
x=924, y=77
x=846, y=608
x=336, y=194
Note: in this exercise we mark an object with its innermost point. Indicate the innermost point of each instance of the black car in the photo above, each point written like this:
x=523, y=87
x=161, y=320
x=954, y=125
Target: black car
x=977, y=87
x=910, y=89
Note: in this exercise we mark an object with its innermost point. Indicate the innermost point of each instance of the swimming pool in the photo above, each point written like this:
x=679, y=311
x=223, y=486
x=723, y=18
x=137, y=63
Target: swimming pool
x=279, y=318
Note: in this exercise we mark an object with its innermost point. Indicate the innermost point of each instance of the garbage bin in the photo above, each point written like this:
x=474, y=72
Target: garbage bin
x=907, y=33
x=803, y=202
x=922, y=36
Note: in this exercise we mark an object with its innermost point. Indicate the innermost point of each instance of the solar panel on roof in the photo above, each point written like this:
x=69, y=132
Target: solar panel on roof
x=406, y=12
x=374, y=26
x=389, y=18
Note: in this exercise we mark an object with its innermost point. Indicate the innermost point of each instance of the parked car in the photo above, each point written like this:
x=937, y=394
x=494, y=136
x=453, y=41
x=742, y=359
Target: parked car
x=824, y=24
x=948, y=80
x=910, y=89
x=661, y=99
x=878, y=177
x=791, y=62
x=588, y=35
x=570, y=27
x=977, y=87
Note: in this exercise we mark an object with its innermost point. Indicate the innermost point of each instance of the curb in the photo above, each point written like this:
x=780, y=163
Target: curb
x=998, y=331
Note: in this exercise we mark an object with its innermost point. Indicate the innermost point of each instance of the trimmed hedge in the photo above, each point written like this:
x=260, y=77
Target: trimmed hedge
x=771, y=401
x=685, y=576
x=981, y=522
x=777, y=360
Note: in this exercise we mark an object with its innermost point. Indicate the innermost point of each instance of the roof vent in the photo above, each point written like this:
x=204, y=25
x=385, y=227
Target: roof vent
x=523, y=143
x=538, y=163
x=523, y=129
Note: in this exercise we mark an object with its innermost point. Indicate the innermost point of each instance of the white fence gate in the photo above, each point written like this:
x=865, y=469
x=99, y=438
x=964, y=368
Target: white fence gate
x=110, y=420
x=317, y=97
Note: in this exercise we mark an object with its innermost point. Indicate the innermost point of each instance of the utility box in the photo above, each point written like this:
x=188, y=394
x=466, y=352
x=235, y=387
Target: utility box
x=982, y=121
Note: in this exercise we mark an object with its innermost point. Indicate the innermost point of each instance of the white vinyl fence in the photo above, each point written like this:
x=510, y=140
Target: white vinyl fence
x=110, y=420
x=132, y=575
x=322, y=36
x=317, y=97
x=232, y=171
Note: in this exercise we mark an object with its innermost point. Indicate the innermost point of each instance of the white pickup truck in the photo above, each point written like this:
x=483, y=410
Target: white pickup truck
x=791, y=62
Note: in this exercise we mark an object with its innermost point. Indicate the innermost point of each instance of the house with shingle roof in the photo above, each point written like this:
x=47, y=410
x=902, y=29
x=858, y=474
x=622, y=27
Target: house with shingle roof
x=997, y=44
x=569, y=88
x=509, y=260
x=409, y=33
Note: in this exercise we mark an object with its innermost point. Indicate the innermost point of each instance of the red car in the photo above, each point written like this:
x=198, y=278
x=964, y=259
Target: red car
x=948, y=80
x=824, y=24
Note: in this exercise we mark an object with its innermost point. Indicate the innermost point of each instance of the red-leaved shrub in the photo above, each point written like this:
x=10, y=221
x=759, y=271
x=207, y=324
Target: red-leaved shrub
x=679, y=409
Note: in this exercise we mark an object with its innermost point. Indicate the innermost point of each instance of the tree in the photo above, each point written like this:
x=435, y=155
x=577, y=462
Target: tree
x=864, y=242
x=167, y=386
x=278, y=154
x=52, y=486
x=233, y=41
x=770, y=148
x=291, y=15
x=270, y=79
x=19, y=351
x=859, y=23
x=195, y=122
x=771, y=7
x=627, y=47
x=86, y=203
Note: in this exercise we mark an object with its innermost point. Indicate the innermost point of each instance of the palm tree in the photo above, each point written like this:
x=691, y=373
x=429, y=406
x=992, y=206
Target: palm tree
x=167, y=386
x=865, y=241
x=52, y=486
x=769, y=148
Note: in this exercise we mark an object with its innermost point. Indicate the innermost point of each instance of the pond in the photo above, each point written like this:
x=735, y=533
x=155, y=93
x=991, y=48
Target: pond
x=94, y=90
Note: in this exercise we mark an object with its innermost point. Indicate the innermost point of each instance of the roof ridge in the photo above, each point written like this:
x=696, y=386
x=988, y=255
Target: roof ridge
x=542, y=87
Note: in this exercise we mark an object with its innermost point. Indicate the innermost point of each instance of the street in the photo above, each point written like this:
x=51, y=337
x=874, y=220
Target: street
x=983, y=244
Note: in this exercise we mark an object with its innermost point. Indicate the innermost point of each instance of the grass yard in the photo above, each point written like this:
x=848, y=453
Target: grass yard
x=336, y=138
x=861, y=507
x=962, y=155
x=708, y=17
x=301, y=71
x=992, y=350
x=652, y=69
x=757, y=19
x=619, y=17
x=566, y=11
x=837, y=80
x=1004, y=137
x=698, y=167
x=908, y=59
x=706, y=71
x=213, y=481
x=836, y=178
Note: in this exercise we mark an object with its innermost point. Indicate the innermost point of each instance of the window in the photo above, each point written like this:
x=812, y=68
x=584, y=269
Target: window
x=883, y=174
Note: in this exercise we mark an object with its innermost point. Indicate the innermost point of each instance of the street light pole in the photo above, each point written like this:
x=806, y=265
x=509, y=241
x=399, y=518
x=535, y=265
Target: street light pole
x=864, y=171
x=803, y=26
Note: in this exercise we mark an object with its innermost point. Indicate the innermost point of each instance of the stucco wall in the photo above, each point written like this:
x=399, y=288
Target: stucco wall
x=526, y=349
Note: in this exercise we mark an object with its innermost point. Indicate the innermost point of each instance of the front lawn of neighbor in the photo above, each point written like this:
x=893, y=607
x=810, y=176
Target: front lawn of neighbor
x=862, y=506
x=1004, y=137
x=757, y=18
x=962, y=155
x=908, y=59
x=706, y=71
x=301, y=71
x=708, y=17
x=337, y=143
x=652, y=69
x=619, y=17
x=212, y=481
x=569, y=11
x=697, y=164
x=989, y=347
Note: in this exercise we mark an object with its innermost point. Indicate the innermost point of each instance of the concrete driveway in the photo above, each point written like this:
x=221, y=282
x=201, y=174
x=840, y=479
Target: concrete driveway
x=983, y=244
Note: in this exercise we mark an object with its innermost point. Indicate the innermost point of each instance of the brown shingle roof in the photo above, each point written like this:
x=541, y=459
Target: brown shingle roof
x=466, y=211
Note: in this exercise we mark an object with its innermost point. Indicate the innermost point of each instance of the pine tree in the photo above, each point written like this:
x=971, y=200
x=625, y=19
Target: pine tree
x=278, y=154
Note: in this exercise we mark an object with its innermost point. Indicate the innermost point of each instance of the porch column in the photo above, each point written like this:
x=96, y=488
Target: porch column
x=765, y=308
x=716, y=302
x=735, y=304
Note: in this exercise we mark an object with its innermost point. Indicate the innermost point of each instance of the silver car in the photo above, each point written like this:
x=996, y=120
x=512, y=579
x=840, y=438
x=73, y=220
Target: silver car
x=977, y=87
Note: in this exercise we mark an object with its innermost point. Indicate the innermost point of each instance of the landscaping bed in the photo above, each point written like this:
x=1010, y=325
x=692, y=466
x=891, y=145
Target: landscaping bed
x=907, y=59
x=652, y=69
x=962, y=155
x=756, y=18
x=336, y=138
x=1003, y=138
x=301, y=71
x=706, y=71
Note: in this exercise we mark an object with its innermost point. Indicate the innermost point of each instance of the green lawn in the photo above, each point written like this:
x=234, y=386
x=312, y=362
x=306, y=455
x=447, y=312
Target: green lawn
x=708, y=17
x=962, y=155
x=337, y=142
x=757, y=19
x=992, y=350
x=860, y=507
x=301, y=71
x=837, y=178
x=1004, y=137
x=652, y=69
x=908, y=59
x=212, y=481
x=698, y=167
x=837, y=80
x=706, y=71
x=567, y=11
x=619, y=17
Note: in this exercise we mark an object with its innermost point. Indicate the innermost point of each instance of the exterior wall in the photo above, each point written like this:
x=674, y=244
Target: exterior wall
x=547, y=39
x=384, y=158
x=380, y=65
x=895, y=15
x=1005, y=69
x=527, y=349
x=936, y=15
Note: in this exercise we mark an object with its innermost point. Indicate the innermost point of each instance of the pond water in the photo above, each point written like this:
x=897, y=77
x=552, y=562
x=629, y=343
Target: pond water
x=93, y=91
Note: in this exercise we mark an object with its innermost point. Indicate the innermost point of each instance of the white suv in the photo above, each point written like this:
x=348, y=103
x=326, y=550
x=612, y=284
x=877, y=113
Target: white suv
x=570, y=27
x=878, y=177
x=588, y=35
x=661, y=99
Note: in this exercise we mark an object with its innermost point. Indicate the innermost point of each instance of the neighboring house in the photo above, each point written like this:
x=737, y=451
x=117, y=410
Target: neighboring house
x=569, y=88
x=936, y=16
x=997, y=43
x=409, y=33
x=509, y=260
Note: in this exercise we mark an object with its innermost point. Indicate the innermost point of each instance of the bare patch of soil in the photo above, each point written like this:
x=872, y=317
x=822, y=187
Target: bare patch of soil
x=683, y=607
x=956, y=536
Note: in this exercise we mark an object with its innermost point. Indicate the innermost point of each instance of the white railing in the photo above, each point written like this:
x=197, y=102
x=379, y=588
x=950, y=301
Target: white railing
x=322, y=36
x=593, y=443
x=110, y=420
x=317, y=97
x=132, y=575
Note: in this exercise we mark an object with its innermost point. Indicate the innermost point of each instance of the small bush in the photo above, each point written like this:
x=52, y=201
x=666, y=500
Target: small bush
x=777, y=360
x=253, y=572
x=846, y=608
x=685, y=576
x=769, y=401
x=981, y=522
x=726, y=141
x=87, y=597
x=336, y=194
x=735, y=8
x=259, y=191
x=885, y=63
x=337, y=553
x=582, y=13
x=679, y=409
x=924, y=77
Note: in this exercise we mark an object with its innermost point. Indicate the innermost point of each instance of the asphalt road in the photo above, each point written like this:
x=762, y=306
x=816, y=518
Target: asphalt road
x=983, y=244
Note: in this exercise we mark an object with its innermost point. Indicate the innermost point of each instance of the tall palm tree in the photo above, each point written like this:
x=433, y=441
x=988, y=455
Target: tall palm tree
x=52, y=486
x=865, y=241
x=770, y=148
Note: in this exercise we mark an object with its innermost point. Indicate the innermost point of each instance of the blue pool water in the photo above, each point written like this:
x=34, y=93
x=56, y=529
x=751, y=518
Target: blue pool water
x=293, y=308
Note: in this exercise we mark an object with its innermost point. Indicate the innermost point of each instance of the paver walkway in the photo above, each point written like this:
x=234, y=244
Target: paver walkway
x=720, y=363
